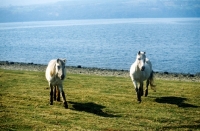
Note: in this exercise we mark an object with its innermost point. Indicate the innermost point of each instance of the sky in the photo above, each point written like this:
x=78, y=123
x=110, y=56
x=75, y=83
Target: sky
x=25, y=2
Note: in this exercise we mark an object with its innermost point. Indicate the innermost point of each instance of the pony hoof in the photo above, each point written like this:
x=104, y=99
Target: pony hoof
x=139, y=100
x=51, y=103
x=58, y=100
x=66, y=105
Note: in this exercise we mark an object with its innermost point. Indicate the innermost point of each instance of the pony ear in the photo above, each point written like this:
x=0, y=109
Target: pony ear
x=139, y=53
x=64, y=60
x=58, y=60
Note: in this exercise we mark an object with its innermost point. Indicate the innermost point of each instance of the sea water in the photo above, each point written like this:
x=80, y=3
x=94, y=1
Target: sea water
x=172, y=44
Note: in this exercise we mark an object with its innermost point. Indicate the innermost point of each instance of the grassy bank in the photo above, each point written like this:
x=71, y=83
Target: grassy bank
x=96, y=103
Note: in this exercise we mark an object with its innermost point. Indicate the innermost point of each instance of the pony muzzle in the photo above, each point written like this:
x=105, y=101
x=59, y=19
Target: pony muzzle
x=143, y=68
x=62, y=77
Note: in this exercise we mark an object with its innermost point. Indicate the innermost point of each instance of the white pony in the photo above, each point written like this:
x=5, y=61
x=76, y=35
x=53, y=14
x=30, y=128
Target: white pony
x=55, y=74
x=140, y=71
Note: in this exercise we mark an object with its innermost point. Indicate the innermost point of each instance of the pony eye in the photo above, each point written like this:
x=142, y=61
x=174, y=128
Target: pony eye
x=58, y=67
x=139, y=59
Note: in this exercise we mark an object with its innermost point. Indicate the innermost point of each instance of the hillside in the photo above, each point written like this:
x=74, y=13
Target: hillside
x=101, y=9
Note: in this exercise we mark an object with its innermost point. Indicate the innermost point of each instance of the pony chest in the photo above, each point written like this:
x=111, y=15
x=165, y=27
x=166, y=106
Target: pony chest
x=141, y=76
x=55, y=81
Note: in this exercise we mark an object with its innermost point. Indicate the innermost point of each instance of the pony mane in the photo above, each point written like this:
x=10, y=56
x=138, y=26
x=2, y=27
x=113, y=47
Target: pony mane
x=53, y=70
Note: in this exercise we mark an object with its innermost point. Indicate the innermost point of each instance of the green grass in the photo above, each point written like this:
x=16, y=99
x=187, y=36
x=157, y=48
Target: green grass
x=96, y=103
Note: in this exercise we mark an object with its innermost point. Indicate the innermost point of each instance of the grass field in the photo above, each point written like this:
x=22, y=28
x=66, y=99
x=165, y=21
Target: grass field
x=96, y=103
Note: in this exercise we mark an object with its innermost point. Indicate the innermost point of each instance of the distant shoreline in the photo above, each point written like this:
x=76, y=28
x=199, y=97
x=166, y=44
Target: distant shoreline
x=98, y=71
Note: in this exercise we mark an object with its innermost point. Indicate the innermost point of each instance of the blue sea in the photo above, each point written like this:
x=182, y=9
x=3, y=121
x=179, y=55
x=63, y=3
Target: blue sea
x=172, y=44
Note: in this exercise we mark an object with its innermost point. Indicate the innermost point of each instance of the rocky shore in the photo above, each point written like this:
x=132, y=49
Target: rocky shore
x=97, y=71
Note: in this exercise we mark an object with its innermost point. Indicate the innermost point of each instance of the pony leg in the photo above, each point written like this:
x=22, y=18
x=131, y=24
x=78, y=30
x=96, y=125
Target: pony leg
x=141, y=89
x=140, y=92
x=63, y=96
x=137, y=91
x=51, y=95
x=146, y=90
x=54, y=93
x=149, y=81
x=134, y=83
x=57, y=94
x=139, y=96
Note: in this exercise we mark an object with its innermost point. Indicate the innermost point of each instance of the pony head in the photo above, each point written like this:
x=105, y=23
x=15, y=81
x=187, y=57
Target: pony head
x=141, y=57
x=60, y=68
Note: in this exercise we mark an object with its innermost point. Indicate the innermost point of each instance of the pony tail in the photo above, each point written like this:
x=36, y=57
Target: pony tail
x=151, y=81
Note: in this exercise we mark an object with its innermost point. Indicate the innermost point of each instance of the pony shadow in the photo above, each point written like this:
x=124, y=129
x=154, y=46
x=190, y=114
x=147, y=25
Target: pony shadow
x=91, y=107
x=179, y=101
x=191, y=127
